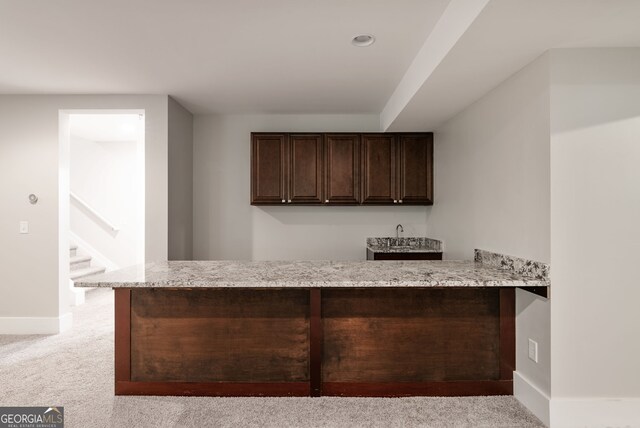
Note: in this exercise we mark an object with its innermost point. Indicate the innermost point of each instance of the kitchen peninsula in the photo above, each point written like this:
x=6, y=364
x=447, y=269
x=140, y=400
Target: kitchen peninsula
x=300, y=328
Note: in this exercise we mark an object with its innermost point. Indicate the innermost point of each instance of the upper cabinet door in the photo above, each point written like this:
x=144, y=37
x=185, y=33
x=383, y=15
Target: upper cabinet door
x=342, y=168
x=305, y=174
x=416, y=169
x=379, y=181
x=269, y=154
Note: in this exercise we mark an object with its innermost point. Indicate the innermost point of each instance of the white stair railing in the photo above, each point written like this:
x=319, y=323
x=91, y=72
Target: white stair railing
x=93, y=212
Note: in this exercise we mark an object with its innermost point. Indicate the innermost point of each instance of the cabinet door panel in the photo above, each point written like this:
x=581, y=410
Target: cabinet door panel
x=416, y=169
x=268, y=168
x=305, y=185
x=342, y=168
x=378, y=169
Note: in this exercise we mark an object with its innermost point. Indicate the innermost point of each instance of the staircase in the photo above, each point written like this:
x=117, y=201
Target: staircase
x=79, y=267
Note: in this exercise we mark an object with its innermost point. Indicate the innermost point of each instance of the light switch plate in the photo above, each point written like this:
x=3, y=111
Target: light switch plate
x=24, y=227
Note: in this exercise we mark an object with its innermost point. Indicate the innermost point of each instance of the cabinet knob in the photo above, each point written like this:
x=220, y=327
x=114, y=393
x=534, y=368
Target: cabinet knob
x=395, y=201
x=283, y=201
x=400, y=201
x=326, y=200
x=289, y=201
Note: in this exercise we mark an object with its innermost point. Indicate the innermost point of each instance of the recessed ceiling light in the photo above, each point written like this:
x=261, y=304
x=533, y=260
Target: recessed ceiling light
x=363, y=40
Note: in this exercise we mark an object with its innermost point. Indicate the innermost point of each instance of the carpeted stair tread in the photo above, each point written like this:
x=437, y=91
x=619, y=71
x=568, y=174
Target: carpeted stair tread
x=81, y=273
x=79, y=259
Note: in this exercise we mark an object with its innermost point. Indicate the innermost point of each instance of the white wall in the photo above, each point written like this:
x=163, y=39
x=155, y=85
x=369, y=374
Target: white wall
x=180, y=182
x=492, y=192
x=595, y=237
x=30, y=291
x=105, y=175
x=226, y=226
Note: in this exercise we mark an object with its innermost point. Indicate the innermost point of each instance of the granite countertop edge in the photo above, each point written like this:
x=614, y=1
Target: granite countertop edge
x=298, y=284
x=381, y=249
x=311, y=274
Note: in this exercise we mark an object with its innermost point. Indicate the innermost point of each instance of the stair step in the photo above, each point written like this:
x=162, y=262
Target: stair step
x=81, y=273
x=73, y=250
x=79, y=262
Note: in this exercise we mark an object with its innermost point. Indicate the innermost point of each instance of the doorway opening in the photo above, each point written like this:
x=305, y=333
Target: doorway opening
x=102, y=194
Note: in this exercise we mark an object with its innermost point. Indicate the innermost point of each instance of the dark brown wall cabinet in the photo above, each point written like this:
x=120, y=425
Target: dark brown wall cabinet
x=305, y=169
x=286, y=169
x=379, y=169
x=269, y=154
x=415, y=181
x=398, y=169
x=342, y=169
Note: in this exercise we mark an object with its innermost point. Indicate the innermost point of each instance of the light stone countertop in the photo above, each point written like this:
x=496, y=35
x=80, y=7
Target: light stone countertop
x=404, y=245
x=304, y=274
x=401, y=249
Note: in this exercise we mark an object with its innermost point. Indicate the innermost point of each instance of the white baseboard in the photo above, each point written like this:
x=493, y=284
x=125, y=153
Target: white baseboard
x=577, y=412
x=76, y=295
x=531, y=397
x=573, y=412
x=36, y=325
x=66, y=322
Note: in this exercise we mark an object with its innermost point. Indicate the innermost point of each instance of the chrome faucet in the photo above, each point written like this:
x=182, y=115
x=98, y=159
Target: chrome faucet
x=401, y=230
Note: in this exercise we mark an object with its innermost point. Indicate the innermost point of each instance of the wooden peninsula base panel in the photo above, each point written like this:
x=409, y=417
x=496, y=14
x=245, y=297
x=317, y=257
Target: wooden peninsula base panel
x=314, y=342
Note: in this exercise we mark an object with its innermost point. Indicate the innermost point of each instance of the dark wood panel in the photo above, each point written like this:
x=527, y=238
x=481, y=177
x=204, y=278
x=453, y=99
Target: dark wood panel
x=220, y=335
x=403, y=256
x=411, y=335
x=351, y=342
x=425, y=389
x=306, y=169
x=507, y=332
x=379, y=175
x=214, y=389
x=342, y=168
x=416, y=169
x=122, y=309
x=269, y=168
x=316, y=342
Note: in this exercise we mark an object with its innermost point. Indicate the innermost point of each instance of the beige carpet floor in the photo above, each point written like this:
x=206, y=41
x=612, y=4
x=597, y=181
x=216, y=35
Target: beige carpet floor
x=75, y=370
